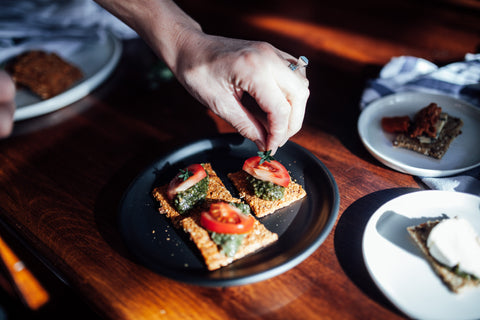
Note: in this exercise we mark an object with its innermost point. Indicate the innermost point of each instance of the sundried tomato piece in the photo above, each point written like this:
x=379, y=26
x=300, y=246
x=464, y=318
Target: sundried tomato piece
x=426, y=120
x=396, y=124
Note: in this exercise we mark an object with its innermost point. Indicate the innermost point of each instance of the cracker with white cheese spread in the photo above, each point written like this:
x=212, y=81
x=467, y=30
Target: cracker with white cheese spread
x=453, y=281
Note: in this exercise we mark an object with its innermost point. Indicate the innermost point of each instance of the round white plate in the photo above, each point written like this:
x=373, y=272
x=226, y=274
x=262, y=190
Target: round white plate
x=399, y=268
x=97, y=60
x=464, y=151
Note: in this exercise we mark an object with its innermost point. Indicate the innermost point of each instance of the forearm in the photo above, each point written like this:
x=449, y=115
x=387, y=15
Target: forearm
x=161, y=23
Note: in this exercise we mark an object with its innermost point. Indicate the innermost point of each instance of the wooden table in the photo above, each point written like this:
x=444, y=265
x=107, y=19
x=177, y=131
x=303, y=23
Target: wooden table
x=62, y=175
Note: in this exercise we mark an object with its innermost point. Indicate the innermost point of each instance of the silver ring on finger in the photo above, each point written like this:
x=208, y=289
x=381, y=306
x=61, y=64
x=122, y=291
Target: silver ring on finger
x=302, y=62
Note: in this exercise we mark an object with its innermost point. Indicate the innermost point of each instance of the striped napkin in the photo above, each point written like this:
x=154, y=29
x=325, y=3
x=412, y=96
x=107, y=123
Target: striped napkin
x=460, y=80
x=58, y=26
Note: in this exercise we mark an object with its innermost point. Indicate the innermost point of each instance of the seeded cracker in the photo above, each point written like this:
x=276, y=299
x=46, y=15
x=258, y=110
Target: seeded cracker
x=256, y=239
x=45, y=74
x=216, y=191
x=453, y=281
x=262, y=207
x=439, y=147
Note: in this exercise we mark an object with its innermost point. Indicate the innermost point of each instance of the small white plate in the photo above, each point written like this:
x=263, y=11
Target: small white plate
x=464, y=151
x=97, y=60
x=398, y=267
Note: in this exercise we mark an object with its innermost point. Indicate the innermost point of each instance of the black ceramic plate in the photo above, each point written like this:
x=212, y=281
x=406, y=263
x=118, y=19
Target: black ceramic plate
x=302, y=227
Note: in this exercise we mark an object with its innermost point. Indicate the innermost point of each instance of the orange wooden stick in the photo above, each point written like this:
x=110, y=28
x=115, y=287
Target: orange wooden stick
x=29, y=288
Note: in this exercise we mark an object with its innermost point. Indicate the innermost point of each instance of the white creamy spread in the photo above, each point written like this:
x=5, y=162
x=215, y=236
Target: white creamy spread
x=453, y=242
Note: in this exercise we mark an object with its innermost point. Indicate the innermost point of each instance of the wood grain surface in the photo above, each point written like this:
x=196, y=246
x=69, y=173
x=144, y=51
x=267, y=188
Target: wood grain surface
x=62, y=175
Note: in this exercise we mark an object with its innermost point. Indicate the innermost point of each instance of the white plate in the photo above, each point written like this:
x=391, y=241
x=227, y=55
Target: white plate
x=97, y=60
x=464, y=151
x=398, y=267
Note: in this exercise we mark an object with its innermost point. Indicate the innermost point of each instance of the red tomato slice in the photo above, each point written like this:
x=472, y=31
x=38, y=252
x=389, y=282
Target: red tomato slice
x=225, y=218
x=272, y=171
x=185, y=179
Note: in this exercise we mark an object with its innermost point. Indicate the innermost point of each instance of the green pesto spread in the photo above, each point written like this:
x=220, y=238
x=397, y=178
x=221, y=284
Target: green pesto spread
x=229, y=243
x=245, y=208
x=462, y=274
x=187, y=199
x=266, y=190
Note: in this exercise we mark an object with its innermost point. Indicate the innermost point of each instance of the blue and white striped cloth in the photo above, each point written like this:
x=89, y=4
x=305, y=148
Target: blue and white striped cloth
x=56, y=26
x=460, y=80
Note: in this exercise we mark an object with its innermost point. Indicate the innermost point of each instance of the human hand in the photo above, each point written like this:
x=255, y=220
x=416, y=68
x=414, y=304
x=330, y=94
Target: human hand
x=218, y=71
x=7, y=104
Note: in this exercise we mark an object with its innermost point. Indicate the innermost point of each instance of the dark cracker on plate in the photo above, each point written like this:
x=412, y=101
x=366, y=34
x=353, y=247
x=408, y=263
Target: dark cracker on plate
x=439, y=146
x=44, y=73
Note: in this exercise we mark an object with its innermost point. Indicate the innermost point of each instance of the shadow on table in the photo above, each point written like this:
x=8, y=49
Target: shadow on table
x=348, y=241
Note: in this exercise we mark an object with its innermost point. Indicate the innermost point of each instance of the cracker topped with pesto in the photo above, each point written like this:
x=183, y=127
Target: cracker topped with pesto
x=265, y=184
x=176, y=203
x=188, y=187
x=225, y=232
x=220, y=225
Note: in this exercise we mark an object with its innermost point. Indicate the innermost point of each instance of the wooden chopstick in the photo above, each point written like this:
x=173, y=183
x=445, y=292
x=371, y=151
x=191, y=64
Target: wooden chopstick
x=28, y=287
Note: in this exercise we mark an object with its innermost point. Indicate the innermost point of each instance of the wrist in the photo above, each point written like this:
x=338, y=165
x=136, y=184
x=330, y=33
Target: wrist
x=176, y=49
x=161, y=23
x=168, y=31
